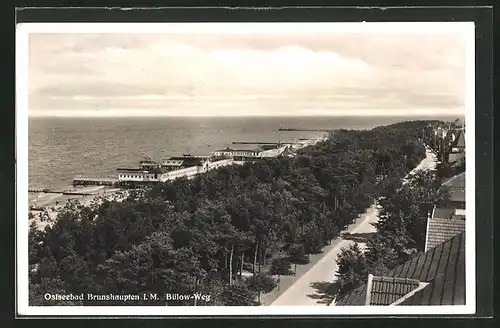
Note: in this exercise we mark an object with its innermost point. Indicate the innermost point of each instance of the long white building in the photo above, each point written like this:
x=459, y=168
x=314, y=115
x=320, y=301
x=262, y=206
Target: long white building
x=175, y=167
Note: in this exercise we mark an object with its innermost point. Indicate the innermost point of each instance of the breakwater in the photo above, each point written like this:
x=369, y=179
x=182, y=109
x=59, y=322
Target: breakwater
x=94, y=182
x=306, y=130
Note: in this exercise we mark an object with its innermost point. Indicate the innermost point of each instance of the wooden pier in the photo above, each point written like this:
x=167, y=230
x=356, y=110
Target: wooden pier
x=94, y=182
x=44, y=191
x=260, y=143
x=307, y=129
x=73, y=193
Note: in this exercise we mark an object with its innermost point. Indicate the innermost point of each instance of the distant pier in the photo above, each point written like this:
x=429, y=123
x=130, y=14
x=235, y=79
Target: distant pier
x=46, y=191
x=307, y=129
x=94, y=182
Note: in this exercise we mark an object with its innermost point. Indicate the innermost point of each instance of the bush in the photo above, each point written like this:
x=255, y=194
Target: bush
x=261, y=283
x=298, y=254
x=281, y=266
x=237, y=295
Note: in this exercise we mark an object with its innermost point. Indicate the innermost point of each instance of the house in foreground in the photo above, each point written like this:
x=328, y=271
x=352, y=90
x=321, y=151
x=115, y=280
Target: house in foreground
x=455, y=187
x=444, y=224
x=435, y=277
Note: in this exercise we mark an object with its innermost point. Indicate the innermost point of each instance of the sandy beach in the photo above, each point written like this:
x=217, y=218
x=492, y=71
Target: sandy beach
x=44, y=207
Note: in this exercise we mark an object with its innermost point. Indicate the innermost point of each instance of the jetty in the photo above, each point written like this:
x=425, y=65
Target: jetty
x=66, y=193
x=44, y=191
x=260, y=143
x=81, y=181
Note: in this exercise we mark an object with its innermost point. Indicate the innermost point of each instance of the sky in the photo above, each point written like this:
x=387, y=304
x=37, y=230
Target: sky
x=223, y=72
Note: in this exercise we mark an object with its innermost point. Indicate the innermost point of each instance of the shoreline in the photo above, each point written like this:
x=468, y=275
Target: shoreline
x=44, y=207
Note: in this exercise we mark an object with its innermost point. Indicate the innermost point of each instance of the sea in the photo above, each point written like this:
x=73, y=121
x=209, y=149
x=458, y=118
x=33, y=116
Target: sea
x=62, y=148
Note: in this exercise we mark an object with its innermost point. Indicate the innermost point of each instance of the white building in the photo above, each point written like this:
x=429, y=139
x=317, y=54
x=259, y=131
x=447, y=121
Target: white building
x=188, y=168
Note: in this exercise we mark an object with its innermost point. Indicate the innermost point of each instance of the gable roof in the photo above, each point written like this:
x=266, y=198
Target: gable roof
x=187, y=161
x=443, y=267
x=456, y=187
x=458, y=139
x=448, y=285
x=456, y=181
x=456, y=194
x=387, y=290
x=443, y=213
x=356, y=297
x=440, y=230
x=461, y=140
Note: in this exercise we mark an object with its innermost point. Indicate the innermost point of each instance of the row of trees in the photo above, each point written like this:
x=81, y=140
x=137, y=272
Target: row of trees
x=227, y=233
x=401, y=228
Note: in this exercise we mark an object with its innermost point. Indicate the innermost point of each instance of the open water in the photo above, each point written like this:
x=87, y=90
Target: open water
x=62, y=148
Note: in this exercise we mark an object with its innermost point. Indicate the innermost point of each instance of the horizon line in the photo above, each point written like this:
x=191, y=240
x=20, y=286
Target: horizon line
x=243, y=116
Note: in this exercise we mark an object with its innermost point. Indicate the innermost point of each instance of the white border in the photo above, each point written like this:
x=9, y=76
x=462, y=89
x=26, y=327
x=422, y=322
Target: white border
x=22, y=53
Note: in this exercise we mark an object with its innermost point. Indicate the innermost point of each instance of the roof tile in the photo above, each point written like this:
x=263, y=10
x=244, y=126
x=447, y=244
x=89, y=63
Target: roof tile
x=443, y=267
x=457, y=181
x=387, y=290
x=440, y=230
x=443, y=213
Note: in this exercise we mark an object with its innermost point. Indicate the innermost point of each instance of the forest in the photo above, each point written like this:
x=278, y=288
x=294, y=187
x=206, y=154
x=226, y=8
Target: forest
x=401, y=229
x=231, y=231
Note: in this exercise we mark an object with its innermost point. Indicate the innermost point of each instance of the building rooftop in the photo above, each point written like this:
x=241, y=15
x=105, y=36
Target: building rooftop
x=387, y=290
x=240, y=149
x=457, y=181
x=442, y=267
x=456, y=187
x=124, y=169
x=440, y=230
x=460, y=140
x=187, y=161
x=457, y=194
x=447, y=287
x=443, y=213
x=354, y=298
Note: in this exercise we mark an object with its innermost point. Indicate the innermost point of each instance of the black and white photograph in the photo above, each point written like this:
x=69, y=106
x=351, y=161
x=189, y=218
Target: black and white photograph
x=287, y=168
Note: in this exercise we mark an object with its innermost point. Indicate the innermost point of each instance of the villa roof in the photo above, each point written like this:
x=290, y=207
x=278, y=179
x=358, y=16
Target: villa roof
x=356, y=297
x=456, y=181
x=442, y=267
x=457, y=194
x=460, y=140
x=440, y=230
x=456, y=187
x=443, y=213
x=448, y=284
x=387, y=290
